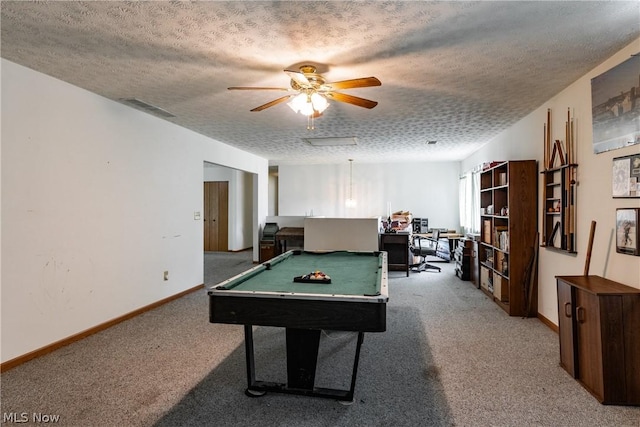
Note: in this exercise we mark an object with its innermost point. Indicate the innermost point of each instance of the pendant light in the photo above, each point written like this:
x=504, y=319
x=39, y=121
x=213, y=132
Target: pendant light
x=351, y=202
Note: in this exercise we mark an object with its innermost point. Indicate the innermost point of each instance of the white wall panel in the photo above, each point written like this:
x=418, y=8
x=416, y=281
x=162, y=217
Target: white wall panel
x=98, y=200
x=426, y=189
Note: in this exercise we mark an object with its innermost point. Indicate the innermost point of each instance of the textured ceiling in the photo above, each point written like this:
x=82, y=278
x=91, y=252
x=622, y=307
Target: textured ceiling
x=453, y=72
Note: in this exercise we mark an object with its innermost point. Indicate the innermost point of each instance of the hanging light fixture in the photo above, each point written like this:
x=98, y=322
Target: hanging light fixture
x=310, y=104
x=351, y=202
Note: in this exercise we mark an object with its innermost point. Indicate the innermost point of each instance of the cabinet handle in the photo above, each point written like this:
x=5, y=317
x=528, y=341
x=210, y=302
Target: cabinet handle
x=567, y=309
x=580, y=314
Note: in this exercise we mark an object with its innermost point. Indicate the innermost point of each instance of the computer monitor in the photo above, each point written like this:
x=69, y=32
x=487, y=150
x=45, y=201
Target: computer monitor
x=420, y=225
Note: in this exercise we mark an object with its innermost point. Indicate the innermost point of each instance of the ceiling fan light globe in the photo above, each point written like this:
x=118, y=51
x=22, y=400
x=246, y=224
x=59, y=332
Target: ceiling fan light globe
x=319, y=102
x=298, y=102
x=306, y=109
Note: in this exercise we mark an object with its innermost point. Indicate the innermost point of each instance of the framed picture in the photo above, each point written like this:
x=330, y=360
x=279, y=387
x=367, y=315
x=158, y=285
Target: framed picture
x=615, y=117
x=627, y=232
x=625, y=176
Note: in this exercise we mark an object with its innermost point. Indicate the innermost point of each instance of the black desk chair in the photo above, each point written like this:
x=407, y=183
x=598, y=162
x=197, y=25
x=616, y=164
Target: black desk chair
x=423, y=247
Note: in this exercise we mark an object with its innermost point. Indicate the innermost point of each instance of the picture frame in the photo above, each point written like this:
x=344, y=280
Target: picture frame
x=627, y=231
x=625, y=177
x=615, y=120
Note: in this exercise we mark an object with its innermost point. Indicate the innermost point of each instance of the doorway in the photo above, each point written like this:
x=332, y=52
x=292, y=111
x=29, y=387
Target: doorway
x=216, y=216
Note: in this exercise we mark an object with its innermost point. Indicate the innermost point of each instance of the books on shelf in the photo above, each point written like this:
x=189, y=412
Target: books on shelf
x=501, y=238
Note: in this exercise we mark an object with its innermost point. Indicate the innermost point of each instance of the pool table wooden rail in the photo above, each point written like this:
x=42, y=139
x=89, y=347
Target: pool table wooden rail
x=298, y=313
x=363, y=313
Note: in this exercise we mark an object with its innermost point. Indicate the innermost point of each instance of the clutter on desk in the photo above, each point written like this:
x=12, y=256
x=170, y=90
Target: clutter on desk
x=398, y=222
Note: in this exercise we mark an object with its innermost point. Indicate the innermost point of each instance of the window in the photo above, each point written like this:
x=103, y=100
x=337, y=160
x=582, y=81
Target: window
x=470, y=201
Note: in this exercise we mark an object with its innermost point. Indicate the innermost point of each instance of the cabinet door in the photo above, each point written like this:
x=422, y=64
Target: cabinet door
x=589, y=342
x=566, y=325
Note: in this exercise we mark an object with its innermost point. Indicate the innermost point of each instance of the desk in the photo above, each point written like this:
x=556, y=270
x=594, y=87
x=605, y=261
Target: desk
x=290, y=235
x=266, y=295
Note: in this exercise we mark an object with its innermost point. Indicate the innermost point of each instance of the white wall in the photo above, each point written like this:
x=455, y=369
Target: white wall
x=98, y=199
x=242, y=233
x=594, y=201
x=425, y=189
x=273, y=194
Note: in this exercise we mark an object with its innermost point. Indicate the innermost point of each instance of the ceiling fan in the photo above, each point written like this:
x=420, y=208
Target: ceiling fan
x=312, y=92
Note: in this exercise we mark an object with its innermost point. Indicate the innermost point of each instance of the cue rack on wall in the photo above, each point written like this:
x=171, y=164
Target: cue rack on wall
x=559, y=191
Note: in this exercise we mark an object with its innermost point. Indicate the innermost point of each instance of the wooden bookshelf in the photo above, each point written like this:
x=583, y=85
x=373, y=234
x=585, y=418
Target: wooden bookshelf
x=508, y=200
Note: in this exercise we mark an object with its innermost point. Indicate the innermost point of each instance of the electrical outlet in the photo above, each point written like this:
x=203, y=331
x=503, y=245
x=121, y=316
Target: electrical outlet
x=166, y=275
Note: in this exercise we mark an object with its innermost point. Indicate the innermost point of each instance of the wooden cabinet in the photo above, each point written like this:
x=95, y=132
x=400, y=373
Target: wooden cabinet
x=397, y=247
x=598, y=324
x=268, y=250
x=462, y=257
x=508, y=202
x=475, y=264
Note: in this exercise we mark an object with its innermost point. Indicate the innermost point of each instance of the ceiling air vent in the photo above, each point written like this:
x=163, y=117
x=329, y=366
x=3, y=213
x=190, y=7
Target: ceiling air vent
x=141, y=105
x=331, y=141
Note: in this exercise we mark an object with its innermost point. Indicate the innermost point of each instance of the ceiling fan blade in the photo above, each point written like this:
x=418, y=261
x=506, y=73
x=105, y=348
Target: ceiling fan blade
x=350, y=99
x=298, y=77
x=272, y=103
x=354, y=83
x=256, y=88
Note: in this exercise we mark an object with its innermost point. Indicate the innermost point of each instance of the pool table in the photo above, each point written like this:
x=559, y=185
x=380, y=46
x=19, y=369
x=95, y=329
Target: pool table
x=267, y=295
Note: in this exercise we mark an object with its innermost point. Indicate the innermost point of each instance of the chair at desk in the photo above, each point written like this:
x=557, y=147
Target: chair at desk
x=422, y=247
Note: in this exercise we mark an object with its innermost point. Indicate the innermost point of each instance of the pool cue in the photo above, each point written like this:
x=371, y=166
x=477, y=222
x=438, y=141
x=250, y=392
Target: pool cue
x=549, y=165
x=568, y=136
x=533, y=275
x=587, y=261
x=544, y=188
x=565, y=225
x=573, y=147
x=570, y=210
x=544, y=147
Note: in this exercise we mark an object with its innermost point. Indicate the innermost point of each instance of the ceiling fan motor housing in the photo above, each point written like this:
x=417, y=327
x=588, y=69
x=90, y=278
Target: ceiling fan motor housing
x=315, y=80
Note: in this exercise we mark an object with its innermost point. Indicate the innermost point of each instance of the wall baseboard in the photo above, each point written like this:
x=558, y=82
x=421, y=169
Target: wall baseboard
x=548, y=322
x=235, y=251
x=101, y=327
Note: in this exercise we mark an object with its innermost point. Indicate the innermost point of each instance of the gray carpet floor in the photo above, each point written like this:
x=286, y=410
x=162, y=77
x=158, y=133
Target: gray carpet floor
x=449, y=357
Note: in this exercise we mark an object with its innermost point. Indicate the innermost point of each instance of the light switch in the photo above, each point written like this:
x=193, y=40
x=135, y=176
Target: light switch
x=196, y=215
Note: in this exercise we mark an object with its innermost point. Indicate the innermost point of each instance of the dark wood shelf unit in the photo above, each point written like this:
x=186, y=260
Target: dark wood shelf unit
x=508, y=199
x=475, y=263
x=598, y=324
x=397, y=247
x=559, y=212
x=463, y=258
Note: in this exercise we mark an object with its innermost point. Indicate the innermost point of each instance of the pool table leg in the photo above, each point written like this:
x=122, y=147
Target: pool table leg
x=251, y=368
x=302, y=358
x=355, y=365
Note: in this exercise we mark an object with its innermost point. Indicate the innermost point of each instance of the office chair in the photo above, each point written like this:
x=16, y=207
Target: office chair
x=422, y=247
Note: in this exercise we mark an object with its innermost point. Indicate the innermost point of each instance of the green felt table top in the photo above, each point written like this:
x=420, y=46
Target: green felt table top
x=352, y=273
